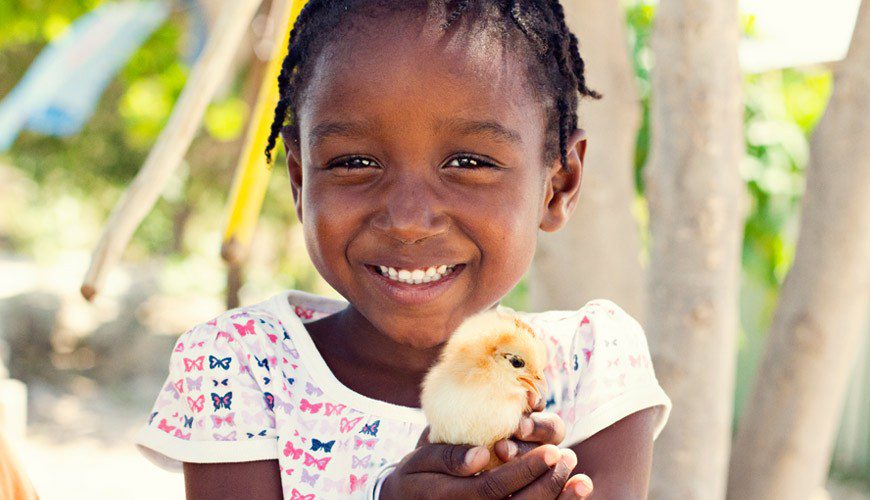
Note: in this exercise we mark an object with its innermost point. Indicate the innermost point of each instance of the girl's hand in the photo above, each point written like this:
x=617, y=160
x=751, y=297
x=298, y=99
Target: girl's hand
x=535, y=430
x=451, y=471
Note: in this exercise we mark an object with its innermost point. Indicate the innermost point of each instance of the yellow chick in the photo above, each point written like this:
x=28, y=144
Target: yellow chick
x=479, y=389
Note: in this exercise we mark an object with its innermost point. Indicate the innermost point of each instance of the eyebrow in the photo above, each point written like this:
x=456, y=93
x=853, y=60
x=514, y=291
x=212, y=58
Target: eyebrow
x=491, y=128
x=324, y=130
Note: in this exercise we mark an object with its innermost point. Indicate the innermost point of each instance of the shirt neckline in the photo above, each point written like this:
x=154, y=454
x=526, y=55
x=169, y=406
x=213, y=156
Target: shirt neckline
x=320, y=373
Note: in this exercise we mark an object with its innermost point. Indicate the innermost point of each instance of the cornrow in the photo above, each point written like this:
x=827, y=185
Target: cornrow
x=541, y=23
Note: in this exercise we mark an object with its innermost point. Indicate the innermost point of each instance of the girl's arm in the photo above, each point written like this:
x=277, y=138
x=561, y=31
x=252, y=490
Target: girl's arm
x=618, y=458
x=260, y=480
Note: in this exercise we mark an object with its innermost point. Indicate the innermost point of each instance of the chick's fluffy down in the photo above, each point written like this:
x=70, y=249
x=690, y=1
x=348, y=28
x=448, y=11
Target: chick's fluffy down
x=478, y=390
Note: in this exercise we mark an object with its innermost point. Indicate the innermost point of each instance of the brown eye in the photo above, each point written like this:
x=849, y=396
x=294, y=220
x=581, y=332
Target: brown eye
x=353, y=163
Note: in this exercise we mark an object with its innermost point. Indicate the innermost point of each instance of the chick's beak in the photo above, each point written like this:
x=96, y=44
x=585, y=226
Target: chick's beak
x=537, y=386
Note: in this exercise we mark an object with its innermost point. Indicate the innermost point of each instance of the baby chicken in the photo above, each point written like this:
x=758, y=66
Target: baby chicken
x=479, y=389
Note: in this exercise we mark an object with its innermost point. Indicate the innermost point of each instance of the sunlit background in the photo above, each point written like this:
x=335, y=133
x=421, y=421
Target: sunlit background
x=92, y=370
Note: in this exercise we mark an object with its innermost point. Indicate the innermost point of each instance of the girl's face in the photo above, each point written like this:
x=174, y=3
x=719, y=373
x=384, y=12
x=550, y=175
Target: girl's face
x=419, y=150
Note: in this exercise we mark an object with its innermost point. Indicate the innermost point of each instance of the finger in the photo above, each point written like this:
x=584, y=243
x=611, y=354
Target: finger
x=578, y=487
x=516, y=474
x=535, y=401
x=542, y=427
x=509, y=449
x=455, y=460
x=552, y=483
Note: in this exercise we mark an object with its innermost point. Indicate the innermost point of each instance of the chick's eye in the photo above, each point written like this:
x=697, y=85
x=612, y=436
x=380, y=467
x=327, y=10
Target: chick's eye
x=517, y=362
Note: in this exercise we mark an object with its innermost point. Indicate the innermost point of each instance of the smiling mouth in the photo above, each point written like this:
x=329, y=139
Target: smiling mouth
x=417, y=276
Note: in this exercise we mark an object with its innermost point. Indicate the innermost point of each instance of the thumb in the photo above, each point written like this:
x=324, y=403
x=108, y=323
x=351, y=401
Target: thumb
x=455, y=460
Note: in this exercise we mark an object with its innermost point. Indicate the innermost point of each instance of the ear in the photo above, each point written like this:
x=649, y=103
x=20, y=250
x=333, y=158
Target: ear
x=563, y=184
x=294, y=169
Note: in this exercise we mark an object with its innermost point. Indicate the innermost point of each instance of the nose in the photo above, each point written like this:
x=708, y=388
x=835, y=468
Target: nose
x=410, y=211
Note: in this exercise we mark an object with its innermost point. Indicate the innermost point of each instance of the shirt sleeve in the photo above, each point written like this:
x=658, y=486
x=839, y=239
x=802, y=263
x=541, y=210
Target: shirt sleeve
x=611, y=373
x=214, y=406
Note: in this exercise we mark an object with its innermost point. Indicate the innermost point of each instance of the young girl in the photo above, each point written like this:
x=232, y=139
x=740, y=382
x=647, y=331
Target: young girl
x=427, y=143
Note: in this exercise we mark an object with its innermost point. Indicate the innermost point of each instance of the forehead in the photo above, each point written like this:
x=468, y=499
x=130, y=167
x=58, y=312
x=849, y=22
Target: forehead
x=403, y=68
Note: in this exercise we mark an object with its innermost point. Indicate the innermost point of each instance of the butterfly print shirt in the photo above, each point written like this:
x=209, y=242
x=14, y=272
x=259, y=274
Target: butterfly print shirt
x=250, y=385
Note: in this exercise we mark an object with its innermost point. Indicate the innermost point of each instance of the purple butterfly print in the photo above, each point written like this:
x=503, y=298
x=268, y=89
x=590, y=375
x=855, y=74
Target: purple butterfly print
x=313, y=390
x=330, y=485
x=171, y=389
x=361, y=463
x=309, y=478
x=286, y=407
x=194, y=384
x=305, y=424
x=229, y=437
x=228, y=420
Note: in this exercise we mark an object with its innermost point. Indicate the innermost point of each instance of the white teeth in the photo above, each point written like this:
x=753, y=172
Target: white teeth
x=416, y=276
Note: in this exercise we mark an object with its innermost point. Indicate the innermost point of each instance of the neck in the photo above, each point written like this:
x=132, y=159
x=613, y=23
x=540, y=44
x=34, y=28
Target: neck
x=378, y=350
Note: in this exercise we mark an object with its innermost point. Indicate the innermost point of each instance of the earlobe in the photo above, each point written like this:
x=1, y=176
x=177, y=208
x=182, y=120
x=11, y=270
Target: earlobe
x=294, y=170
x=563, y=184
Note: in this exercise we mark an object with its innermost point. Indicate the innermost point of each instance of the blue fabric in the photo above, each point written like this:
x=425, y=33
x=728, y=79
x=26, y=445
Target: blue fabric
x=61, y=88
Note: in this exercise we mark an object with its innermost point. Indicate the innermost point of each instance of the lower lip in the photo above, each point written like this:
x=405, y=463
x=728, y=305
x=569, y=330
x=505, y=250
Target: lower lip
x=409, y=294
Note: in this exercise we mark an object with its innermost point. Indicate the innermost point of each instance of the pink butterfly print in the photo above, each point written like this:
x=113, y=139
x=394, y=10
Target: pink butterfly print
x=213, y=322
x=226, y=336
x=289, y=472
x=347, y=425
x=309, y=478
x=290, y=451
x=179, y=347
x=332, y=409
x=303, y=313
x=588, y=354
x=584, y=321
x=357, y=482
x=179, y=386
x=306, y=405
x=272, y=338
x=229, y=437
x=295, y=495
x=294, y=353
x=246, y=329
x=361, y=463
x=197, y=404
x=182, y=435
x=613, y=363
x=194, y=384
x=319, y=463
x=367, y=443
x=218, y=421
x=635, y=360
x=198, y=344
x=163, y=426
x=191, y=364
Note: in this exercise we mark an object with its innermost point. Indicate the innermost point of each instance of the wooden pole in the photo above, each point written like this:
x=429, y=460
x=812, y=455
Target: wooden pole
x=173, y=142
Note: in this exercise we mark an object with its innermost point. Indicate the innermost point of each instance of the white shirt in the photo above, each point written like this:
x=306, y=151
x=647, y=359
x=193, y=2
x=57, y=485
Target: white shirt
x=251, y=385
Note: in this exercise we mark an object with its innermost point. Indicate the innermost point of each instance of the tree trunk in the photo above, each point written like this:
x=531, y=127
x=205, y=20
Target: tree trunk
x=784, y=442
x=597, y=255
x=694, y=192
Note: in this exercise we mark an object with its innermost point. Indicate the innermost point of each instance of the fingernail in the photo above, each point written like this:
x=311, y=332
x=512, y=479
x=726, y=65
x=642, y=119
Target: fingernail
x=526, y=426
x=569, y=458
x=472, y=454
x=512, y=448
x=551, y=455
x=584, y=486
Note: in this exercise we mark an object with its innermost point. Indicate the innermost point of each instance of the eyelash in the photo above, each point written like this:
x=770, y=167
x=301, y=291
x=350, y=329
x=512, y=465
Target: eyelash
x=343, y=163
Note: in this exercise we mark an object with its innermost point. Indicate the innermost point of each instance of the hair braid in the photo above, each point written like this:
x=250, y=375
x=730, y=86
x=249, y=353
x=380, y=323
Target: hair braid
x=557, y=72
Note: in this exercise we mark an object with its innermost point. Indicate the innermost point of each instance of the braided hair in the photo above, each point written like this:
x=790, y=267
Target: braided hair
x=557, y=71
